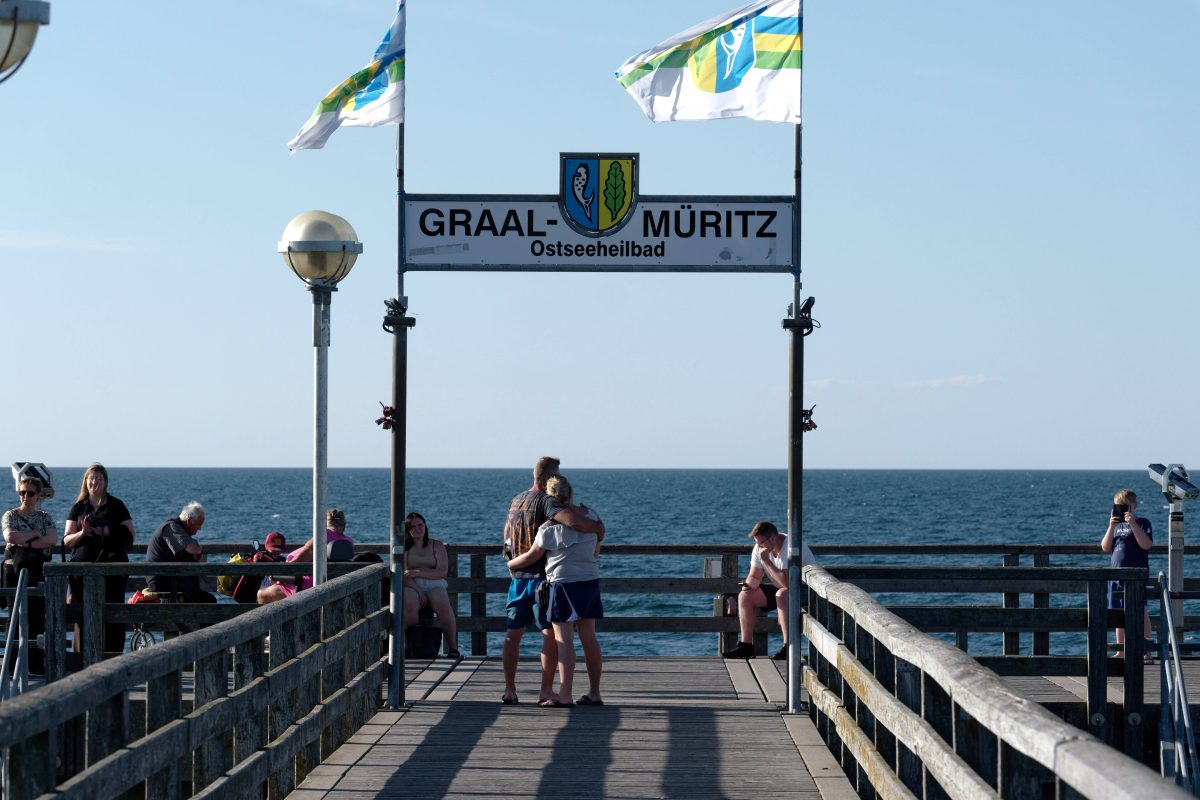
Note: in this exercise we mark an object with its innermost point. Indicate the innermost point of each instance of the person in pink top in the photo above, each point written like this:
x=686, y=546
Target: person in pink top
x=335, y=531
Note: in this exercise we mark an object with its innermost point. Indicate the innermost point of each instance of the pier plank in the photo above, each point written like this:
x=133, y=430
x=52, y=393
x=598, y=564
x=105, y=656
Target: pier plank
x=670, y=727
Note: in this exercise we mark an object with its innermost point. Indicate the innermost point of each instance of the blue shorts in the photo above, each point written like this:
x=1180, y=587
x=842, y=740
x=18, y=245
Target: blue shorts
x=522, y=601
x=575, y=600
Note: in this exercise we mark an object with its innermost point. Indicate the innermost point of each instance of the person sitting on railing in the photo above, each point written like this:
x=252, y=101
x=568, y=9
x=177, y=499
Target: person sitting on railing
x=29, y=535
x=174, y=542
x=335, y=531
x=1129, y=538
x=574, y=594
x=425, y=563
x=765, y=587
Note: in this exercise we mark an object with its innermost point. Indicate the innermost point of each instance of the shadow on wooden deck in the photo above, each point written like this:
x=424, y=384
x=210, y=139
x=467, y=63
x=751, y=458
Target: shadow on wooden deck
x=670, y=728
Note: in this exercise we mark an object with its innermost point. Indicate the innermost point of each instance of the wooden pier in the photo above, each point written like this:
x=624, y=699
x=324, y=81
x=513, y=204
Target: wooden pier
x=893, y=711
x=670, y=727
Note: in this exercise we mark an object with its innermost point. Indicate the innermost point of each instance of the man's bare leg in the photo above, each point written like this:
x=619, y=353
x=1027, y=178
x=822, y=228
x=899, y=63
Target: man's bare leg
x=593, y=658
x=509, y=656
x=781, y=604
x=549, y=664
x=749, y=602
x=564, y=636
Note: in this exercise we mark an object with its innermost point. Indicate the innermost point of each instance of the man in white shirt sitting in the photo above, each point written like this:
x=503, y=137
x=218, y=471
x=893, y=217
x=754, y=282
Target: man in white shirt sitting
x=765, y=587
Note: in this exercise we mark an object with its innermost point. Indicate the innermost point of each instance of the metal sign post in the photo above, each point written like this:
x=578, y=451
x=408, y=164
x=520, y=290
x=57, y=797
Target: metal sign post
x=800, y=324
x=397, y=323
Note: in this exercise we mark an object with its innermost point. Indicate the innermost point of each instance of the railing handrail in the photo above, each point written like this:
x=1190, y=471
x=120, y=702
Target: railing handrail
x=56, y=703
x=734, y=547
x=1174, y=711
x=1081, y=760
x=319, y=681
x=14, y=670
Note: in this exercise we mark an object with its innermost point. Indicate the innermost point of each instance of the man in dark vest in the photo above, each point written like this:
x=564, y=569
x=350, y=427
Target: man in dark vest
x=175, y=543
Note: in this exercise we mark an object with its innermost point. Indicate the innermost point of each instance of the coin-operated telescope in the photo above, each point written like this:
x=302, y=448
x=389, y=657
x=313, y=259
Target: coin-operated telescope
x=32, y=469
x=1176, y=487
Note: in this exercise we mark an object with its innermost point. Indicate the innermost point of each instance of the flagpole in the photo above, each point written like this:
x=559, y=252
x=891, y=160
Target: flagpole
x=800, y=326
x=397, y=322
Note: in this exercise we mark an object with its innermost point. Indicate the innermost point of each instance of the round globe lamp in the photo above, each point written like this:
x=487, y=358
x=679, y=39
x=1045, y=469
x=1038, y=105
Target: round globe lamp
x=321, y=249
x=19, y=23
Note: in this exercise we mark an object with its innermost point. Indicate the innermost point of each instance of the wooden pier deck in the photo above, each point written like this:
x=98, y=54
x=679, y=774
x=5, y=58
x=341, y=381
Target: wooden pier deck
x=1057, y=690
x=670, y=728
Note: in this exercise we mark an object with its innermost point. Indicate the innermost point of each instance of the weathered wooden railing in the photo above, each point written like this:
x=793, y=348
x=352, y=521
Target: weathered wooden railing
x=256, y=718
x=910, y=715
x=93, y=612
x=1094, y=618
x=833, y=626
x=478, y=584
x=477, y=571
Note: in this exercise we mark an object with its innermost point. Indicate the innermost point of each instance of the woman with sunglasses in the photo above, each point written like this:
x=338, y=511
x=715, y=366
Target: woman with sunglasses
x=99, y=529
x=29, y=535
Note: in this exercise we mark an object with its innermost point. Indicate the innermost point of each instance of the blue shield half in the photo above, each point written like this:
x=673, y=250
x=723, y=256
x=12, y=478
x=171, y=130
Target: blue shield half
x=597, y=191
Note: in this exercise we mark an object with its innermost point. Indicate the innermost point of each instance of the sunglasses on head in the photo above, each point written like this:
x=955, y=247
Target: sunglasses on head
x=28, y=492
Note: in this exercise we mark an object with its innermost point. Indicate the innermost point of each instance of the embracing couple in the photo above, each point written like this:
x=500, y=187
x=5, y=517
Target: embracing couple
x=551, y=545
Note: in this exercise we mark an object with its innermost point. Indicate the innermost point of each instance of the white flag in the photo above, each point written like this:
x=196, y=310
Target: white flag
x=745, y=63
x=372, y=96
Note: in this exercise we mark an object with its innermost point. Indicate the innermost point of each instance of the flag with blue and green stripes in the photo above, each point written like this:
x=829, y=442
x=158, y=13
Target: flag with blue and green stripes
x=372, y=96
x=745, y=63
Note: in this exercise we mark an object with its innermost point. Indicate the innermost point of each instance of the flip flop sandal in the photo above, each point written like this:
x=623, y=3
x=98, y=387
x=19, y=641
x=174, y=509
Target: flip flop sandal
x=587, y=701
x=509, y=701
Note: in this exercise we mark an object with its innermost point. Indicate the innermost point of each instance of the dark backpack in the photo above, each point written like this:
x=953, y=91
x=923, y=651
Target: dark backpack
x=340, y=550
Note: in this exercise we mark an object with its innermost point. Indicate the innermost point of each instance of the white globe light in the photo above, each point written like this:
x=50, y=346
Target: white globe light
x=320, y=247
x=19, y=23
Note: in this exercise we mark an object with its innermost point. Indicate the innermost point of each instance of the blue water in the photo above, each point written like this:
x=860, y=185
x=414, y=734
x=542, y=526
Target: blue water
x=667, y=506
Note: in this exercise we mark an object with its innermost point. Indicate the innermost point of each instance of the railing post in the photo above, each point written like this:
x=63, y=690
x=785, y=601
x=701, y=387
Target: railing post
x=107, y=727
x=1041, y=639
x=281, y=711
x=479, y=604
x=56, y=629
x=908, y=692
x=1134, y=672
x=163, y=705
x=1097, y=650
x=92, y=624
x=729, y=569
x=30, y=767
x=1167, y=752
x=210, y=680
x=1020, y=777
x=1012, y=639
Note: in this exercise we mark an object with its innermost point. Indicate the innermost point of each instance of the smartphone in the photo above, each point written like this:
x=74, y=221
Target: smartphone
x=1119, y=510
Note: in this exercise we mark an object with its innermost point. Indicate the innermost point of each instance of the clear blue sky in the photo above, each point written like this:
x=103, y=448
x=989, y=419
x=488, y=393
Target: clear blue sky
x=1001, y=206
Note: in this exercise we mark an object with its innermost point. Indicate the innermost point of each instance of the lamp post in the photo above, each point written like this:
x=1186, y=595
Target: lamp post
x=321, y=249
x=19, y=22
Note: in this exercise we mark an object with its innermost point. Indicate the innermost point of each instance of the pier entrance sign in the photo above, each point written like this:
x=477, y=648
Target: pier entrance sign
x=600, y=222
x=597, y=223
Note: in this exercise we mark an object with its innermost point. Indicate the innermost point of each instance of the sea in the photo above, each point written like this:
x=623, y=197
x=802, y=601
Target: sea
x=668, y=506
